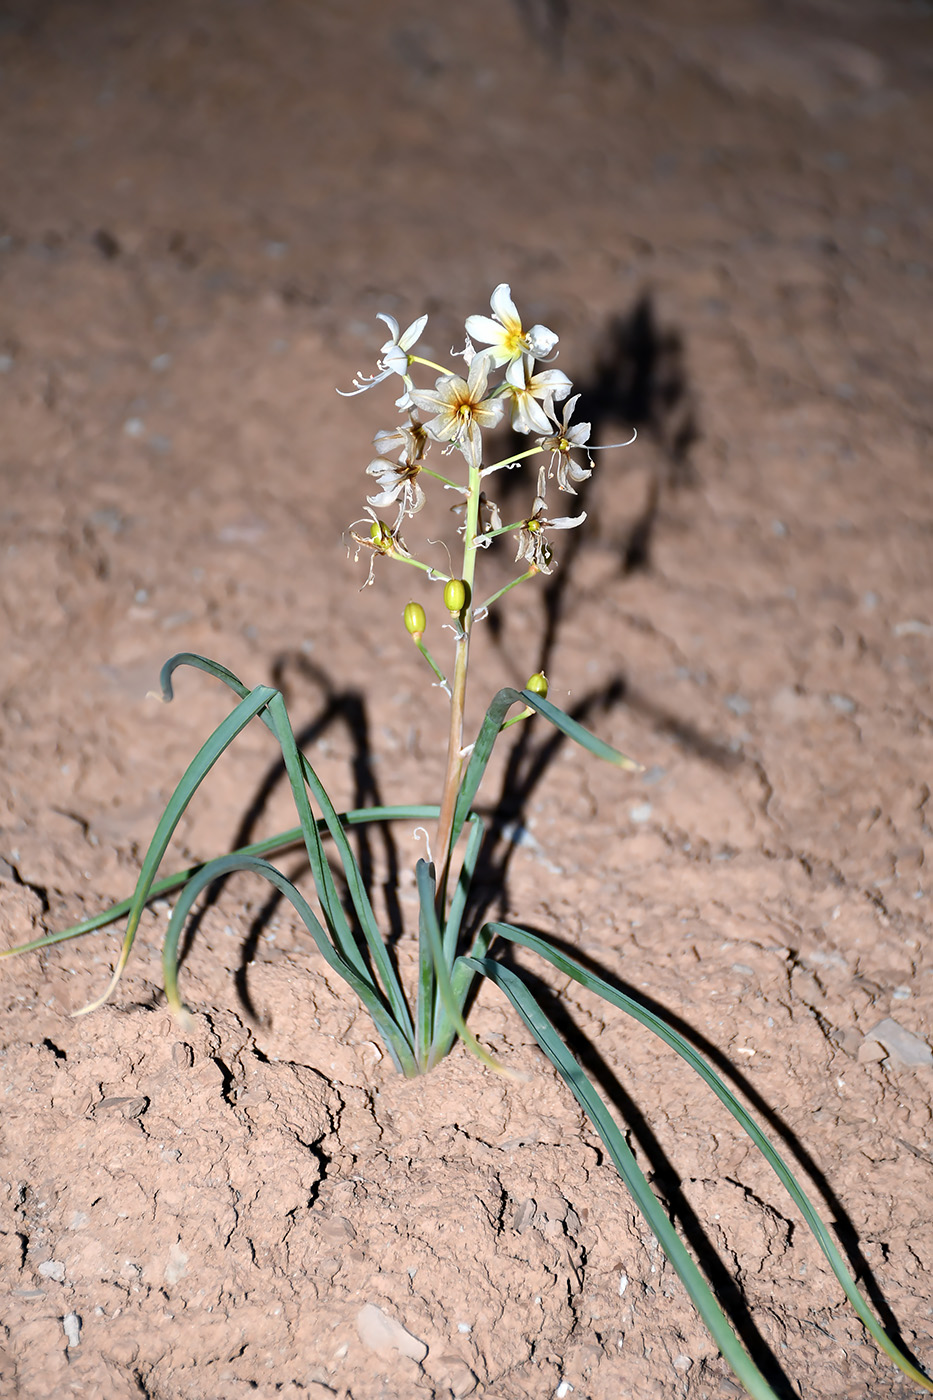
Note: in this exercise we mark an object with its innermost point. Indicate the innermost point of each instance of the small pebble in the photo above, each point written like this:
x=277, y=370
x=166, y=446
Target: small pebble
x=72, y=1325
x=52, y=1268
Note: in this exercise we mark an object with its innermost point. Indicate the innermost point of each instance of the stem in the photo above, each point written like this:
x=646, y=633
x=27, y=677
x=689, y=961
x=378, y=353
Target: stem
x=455, y=754
x=433, y=665
x=419, y=360
x=494, y=597
x=514, y=459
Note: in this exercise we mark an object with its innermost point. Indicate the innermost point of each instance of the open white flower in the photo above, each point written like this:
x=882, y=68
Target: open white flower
x=532, y=540
x=394, y=358
x=561, y=443
x=460, y=409
x=524, y=389
x=504, y=335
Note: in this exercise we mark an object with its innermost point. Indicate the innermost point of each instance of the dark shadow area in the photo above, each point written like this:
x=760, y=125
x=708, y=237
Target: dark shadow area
x=545, y=22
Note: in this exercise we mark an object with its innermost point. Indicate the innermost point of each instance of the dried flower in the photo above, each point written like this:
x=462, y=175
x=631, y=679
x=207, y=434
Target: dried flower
x=560, y=445
x=532, y=541
x=382, y=539
x=504, y=335
x=399, y=480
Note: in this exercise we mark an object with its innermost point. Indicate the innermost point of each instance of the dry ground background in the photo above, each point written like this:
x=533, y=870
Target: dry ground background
x=725, y=210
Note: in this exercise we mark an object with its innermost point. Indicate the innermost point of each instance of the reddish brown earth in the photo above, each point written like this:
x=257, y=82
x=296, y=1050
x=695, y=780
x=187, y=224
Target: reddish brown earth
x=725, y=210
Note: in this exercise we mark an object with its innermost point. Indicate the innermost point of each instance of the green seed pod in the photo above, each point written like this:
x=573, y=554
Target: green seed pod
x=415, y=620
x=537, y=684
x=455, y=596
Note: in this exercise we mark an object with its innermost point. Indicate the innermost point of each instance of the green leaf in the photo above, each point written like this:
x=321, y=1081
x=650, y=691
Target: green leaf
x=621, y=1154
x=490, y=730
x=356, y=816
x=300, y=772
x=251, y=705
x=392, y=1035
x=431, y=952
x=571, y=968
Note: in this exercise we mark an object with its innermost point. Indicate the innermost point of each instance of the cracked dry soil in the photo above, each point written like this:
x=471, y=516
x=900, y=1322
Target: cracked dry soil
x=726, y=213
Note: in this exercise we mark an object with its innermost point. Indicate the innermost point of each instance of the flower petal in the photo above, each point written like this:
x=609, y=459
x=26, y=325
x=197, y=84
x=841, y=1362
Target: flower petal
x=540, y=341
x=505, y=309
x=485, y=330
x=408, y=337
x=391, y=322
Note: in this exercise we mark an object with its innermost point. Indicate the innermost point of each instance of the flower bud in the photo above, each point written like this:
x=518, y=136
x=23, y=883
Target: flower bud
x=415, y=620
x=537, y=684
x=455, y=596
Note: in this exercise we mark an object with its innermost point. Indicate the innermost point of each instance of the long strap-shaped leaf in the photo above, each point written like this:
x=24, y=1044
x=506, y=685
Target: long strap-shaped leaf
x=621, y=1154
x=251, y=705
x=298, y=774
x=393, y=1038
x=571, y=968
x=356, y=816
x=438, y=986
x=277, y=721
x=489, y=732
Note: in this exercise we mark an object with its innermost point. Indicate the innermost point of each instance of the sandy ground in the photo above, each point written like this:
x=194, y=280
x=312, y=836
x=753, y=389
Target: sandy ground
x=725, y=210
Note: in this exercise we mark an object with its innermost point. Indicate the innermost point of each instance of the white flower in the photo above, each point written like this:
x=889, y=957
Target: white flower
x=460, y=409
x=394, y=358
x=532, y=541
x=560, y=445
x=504, y=335
x=524, y=389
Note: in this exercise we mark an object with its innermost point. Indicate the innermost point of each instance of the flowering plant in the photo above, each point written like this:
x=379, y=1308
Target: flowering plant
x=419, y=1031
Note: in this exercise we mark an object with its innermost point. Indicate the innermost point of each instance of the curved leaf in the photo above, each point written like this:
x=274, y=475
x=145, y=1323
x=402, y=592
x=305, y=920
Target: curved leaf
x=621, y=1154
x=392, y=1036
x=491, y=728
x=571, y=968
